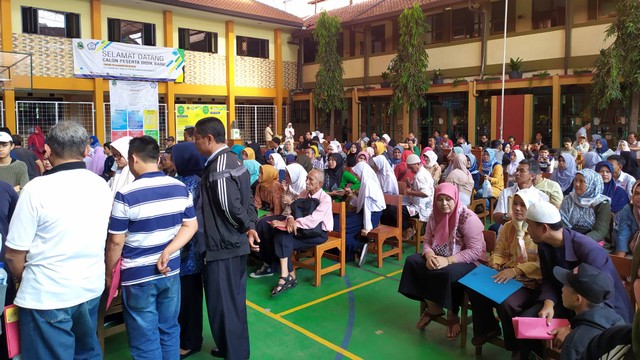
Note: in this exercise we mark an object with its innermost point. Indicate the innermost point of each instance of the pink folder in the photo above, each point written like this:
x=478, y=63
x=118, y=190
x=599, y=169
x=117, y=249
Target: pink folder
x=12, y=329
x=115, y=283
x=536, y=328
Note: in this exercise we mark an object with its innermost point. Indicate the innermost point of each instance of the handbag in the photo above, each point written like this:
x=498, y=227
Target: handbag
x=487, y=192
x=302, y=207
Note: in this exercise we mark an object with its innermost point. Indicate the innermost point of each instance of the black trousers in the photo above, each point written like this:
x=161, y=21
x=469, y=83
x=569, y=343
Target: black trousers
x=389, y=216
x=190, y=318
x=225, y=289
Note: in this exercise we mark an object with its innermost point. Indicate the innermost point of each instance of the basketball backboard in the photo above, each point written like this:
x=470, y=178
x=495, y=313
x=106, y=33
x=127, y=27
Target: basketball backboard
x=16, y=71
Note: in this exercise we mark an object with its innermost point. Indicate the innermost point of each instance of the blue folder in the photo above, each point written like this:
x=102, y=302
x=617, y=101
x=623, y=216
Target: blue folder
x=481, y=281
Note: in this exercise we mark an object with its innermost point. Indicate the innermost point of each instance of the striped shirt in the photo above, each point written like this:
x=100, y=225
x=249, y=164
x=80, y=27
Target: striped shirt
x=150, y=211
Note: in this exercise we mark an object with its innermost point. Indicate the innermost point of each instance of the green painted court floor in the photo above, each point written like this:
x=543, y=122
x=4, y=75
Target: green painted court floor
x=359, y=316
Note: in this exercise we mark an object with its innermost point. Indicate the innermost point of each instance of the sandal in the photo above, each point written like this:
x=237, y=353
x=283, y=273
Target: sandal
x=289, y=282
x=425, y=319
x=453, y=327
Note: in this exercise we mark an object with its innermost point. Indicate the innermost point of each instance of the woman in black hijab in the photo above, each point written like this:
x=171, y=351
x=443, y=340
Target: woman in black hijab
x=631, y=164
x=333, y=176
x=258, y=153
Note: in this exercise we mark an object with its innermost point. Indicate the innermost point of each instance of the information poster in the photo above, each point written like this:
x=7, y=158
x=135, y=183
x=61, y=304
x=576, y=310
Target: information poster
x=134, y=109
x=188, y=115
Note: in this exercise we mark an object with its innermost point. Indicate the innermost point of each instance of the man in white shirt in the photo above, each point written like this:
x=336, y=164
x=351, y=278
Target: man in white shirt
x=525, y=173
x=583, y=131
x=56, y=247
x=622, y=179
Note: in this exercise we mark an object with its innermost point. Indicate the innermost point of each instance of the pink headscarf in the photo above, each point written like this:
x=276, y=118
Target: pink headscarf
x=447, y=223
x=363, y=153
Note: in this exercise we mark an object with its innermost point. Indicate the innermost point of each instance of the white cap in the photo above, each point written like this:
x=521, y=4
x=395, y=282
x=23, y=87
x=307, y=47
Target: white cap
x=5, y=137
x=413, y=159
x=543, y=212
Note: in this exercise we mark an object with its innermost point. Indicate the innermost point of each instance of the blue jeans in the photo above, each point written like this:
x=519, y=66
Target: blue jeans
x=67, y=333
x=151, y=313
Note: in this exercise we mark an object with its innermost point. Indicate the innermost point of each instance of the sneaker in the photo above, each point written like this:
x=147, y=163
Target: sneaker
x=408, y=234
x=265, y=270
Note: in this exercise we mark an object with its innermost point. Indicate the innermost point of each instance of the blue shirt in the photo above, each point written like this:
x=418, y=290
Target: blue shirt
x=150, y=211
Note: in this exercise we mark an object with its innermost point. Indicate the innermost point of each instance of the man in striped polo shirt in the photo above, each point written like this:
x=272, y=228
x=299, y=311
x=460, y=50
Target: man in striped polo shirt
x=152, y=218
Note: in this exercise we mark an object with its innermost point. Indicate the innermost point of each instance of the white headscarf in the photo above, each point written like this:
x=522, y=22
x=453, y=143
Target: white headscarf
x=278, y=161
x=433, y=158
x=298, y=177
x=370, y=193
x=122, y=176
x=386, y=176
x=529, y=197
x=513, y=165
x=337, y=148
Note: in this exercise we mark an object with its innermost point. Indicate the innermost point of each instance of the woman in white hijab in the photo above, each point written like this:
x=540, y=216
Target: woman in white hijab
x=123, y=176
x=277, y=162
x=289, y=132
x=295, y=181
x=515, y=157
x=386, y=176
x=337, y=148
x=369, y=203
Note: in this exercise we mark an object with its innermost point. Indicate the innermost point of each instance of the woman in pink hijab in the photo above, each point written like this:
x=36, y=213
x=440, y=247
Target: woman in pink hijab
x=453, y=245
x=36, y=142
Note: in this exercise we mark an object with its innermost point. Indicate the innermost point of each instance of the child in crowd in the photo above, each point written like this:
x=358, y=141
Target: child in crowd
x=12, y=171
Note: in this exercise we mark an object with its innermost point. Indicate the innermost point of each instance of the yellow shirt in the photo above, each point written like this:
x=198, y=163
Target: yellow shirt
x=505, y=254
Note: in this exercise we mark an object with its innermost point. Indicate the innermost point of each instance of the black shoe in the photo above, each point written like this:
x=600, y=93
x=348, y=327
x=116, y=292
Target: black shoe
x=194, y=351
x=215, y=352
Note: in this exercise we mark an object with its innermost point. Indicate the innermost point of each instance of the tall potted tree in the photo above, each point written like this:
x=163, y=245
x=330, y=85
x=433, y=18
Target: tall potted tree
x=620, y=61
x=409, y=68
x=516, y=68
x=328, y=93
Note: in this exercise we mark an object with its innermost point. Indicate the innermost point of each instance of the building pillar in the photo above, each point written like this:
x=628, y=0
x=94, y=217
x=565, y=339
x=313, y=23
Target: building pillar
x=312, y=114
x=555, y=113
x=405, y=122
x=170, y=96
x=471, y=114
x=230, y=42
x=7, y=45
x=528, y=118
x=98, y=83
x=355, y=115
x=277, y=35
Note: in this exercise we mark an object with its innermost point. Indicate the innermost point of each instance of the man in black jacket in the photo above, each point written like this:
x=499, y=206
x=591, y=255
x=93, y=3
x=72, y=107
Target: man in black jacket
x=226, y=220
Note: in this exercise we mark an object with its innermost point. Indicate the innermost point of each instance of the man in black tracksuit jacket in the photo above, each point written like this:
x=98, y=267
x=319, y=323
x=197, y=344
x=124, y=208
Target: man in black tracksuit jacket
x=226, y=231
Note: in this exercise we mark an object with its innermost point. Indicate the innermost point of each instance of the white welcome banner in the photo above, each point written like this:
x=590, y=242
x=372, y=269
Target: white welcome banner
x=134, y=109
x=114, y=60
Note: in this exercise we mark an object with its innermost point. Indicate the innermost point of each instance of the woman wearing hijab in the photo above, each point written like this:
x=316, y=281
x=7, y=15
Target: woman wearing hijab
x=628, y=224
x=453, y=245
x=363, y=156
x=123, y=176
x=237, y=149
x=257, y=151
x=619, y=197
x=590, y=159
x=623, y=145
x=631, y=164
x=35, y=142
x=94, y=142
x=492, y=171
x=402, y=170
x=385, y=174
x=456, y=150
x=461, y=178
x=288, y=148
x=96, y=164
x=506, y=156
x=586, y=210
x=473, y=169
x=515, y=257
x=396, y=157
x=515, y=157
x=294, y=183
x=189, y=165
x=333, y=173
x=352, y=154
x=379, y=149
x=602, y=148
x=316, y=159
x=289, y=132
x=269, y=192
x=368, y=203
x=565, y=173
x=277, y=161
x=430, y=161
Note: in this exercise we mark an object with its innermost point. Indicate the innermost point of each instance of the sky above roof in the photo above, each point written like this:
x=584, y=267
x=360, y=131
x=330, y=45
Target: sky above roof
x=303, y=9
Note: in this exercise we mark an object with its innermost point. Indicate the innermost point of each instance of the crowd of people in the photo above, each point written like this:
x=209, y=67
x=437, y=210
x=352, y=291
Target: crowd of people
x=188, y=218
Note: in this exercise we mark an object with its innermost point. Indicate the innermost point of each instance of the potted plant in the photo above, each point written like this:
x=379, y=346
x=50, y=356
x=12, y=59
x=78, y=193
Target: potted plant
x=541, y=74
x=516, y=68
x=437, y=77
x=459, y=81
x=385, y=80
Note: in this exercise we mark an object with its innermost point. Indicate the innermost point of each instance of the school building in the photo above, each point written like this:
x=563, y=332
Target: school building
x=558, y=41
x=237, y=53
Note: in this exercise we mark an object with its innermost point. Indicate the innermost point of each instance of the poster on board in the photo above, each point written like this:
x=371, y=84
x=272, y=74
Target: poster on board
x=134, y=109
x=189, y=114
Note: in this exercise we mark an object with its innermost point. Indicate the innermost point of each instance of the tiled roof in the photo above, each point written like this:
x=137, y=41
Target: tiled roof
x=371, y=9
x=248, y=9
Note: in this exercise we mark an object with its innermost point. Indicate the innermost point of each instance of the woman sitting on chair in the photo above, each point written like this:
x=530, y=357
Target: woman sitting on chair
x=269, y=192
x=461, y=178
x=515, y=257
x=453, y=244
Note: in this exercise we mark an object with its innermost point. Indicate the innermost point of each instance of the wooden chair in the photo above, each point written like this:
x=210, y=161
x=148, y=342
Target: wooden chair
x=416, y=239
x=475, y=203
x=402, y=187
x=490, y=240
x=378, y=236
x=114, y=310
x=624, y=266
x=311, y=258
